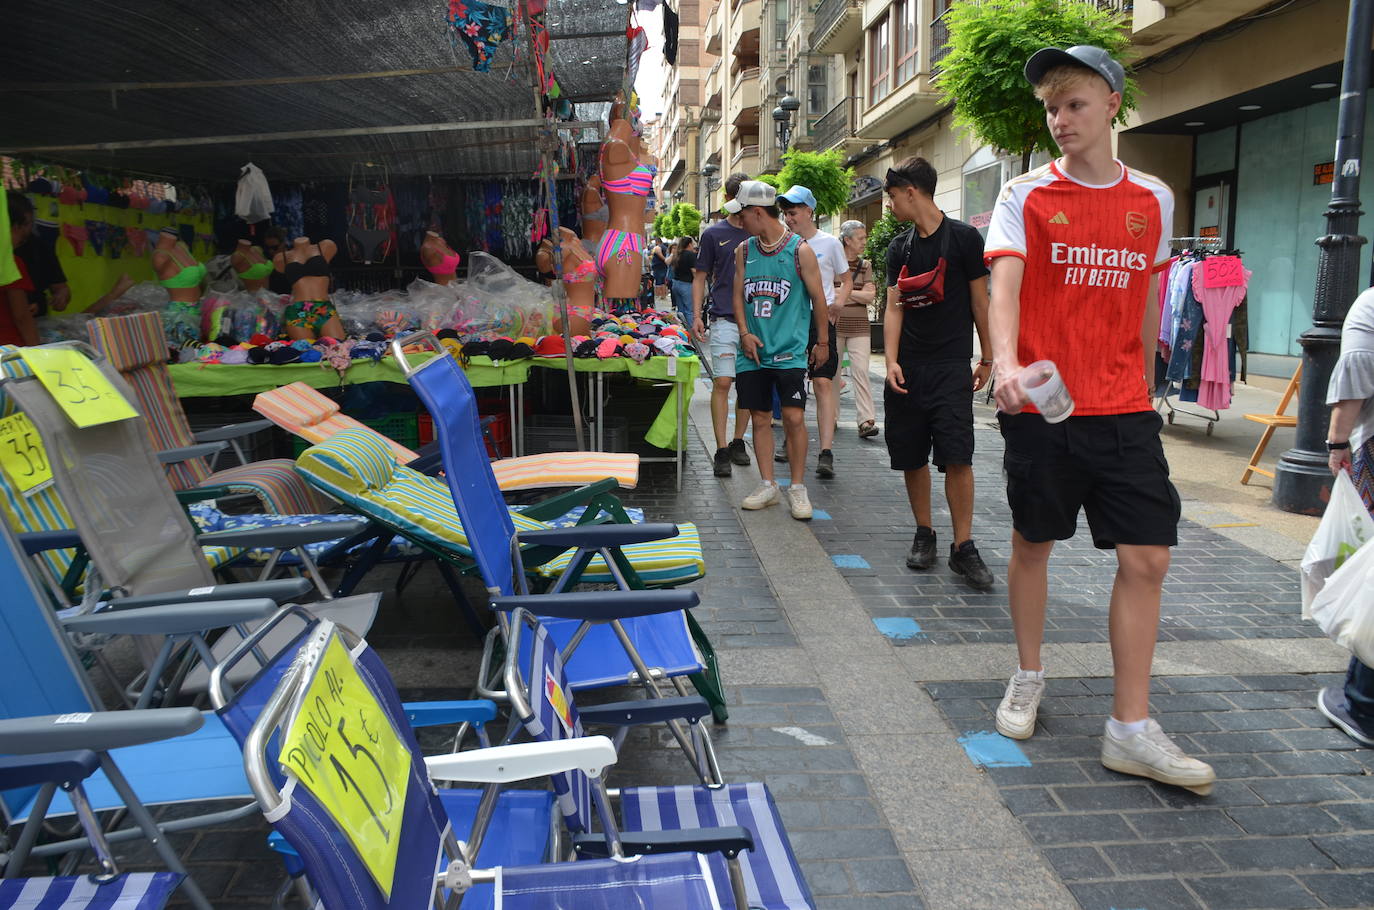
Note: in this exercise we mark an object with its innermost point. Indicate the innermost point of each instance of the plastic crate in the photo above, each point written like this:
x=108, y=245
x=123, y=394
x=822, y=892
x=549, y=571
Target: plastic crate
x=554, y=433
x=402, y=428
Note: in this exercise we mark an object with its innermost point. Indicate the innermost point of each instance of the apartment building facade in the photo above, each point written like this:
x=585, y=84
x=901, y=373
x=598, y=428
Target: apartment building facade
x=677, y=140
x=1237, y=113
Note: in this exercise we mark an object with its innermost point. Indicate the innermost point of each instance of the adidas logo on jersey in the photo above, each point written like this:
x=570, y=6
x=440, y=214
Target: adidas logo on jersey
x=1061, y=218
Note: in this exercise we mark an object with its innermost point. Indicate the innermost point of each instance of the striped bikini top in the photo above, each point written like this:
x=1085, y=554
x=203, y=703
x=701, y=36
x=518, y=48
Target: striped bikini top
x=639, y=181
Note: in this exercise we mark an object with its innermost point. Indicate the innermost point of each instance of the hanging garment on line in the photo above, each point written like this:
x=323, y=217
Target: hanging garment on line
x=253, y=199
x=1218, y=302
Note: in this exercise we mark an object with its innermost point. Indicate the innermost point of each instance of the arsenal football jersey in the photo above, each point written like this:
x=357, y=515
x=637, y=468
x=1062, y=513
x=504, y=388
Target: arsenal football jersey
x=1089, y=253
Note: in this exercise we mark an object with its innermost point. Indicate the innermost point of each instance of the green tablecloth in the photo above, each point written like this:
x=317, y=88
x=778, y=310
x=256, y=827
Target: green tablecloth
x=203, y=380
x=664, y=432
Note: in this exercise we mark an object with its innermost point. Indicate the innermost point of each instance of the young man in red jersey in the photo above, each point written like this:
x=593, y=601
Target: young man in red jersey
x=1075, y=249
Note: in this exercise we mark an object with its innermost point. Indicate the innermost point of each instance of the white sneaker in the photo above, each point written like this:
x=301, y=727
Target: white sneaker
x=1154, y=755
x=799, y=501
x=764, y=496
x=1016, y=713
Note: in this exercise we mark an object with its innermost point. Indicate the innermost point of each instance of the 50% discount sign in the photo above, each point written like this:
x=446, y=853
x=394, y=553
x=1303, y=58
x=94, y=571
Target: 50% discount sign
x=342, y=747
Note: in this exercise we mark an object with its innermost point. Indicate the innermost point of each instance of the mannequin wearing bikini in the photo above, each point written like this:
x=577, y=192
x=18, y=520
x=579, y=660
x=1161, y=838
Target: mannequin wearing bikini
x=579, y=279
x=251, y=265
x=594, y=213
x=310, y=315
x=177, y=269
x=627, y=183
x=439, y=258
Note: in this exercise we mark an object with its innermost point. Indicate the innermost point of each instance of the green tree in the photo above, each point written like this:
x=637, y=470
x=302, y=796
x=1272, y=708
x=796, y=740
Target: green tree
x=682, y=220
x=880, y=237
x=771, y=180
x=989, y=43
x=823, y=173
x=660, y=226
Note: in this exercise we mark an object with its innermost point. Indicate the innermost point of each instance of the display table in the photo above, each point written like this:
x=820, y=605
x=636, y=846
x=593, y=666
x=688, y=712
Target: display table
x=203, y=380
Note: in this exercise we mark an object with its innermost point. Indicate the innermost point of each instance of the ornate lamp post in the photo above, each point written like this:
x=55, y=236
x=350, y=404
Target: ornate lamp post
x=1302, y=476
x=782, y=119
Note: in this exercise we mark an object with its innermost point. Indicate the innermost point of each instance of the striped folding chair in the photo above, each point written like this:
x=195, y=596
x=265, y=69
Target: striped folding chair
x=314, y=417
x=136, y=346
x=506, y=834
x=765, y=877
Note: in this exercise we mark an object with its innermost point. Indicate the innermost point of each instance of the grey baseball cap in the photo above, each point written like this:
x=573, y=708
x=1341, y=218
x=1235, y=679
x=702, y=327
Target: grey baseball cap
x=751, y=192
x=1081, y=55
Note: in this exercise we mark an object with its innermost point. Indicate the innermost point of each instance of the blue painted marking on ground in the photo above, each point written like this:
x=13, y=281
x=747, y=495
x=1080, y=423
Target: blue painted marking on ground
x=819, y=514
x=899, y=628
x=785, y=482
x=993, y=750
x=850, y=561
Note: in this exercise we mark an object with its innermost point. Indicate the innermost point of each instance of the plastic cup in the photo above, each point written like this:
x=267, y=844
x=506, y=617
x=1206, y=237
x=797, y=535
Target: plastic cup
x=1045, y=387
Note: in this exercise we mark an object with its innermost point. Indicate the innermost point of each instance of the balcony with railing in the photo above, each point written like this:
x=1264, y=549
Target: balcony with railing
x=713, y=29
x=745, y=95
x=746, y=159
x=838, y=127
x=744, y=28
x=939, y=37
x=838, y=26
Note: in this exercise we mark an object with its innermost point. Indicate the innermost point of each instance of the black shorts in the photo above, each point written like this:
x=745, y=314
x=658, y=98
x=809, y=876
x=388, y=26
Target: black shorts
x=828, y=369
x=1111, y=466
x=933, y=421
x=754, y=388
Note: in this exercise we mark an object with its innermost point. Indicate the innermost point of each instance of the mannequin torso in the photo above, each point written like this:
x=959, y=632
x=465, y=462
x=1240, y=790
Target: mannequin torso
x=579, y=279
x=439, y=258
x=626, y=184
x=177, y=269
x=307, y=265
x=251, y=265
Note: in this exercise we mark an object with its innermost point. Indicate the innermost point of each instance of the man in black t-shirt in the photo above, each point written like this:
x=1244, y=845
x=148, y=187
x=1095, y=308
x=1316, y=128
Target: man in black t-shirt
x=937, y=295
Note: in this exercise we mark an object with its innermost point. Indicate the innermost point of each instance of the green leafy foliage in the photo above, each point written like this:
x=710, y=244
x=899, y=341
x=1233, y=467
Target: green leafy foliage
x=989, y=43
x=682, y=220
x=879, y=239
x=771, y=180
x=823, y=173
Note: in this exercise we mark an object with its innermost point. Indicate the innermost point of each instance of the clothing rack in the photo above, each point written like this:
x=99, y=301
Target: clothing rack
x=1168, y=405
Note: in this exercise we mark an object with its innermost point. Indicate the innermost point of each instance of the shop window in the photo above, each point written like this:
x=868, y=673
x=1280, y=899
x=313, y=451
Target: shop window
x=879, y=61
x=817, y=90
x=983, y=176
x=905, y=40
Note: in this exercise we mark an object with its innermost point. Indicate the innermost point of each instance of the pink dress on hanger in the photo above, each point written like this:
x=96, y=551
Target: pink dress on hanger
x=1219, y=284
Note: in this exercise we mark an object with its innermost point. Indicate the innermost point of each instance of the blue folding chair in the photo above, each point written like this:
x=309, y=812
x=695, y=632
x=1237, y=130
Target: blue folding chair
x=508, y=829
x=613, y=651
x=766, y=877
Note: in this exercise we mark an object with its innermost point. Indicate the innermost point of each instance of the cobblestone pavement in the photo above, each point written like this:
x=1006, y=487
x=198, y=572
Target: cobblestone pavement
x=862, y=692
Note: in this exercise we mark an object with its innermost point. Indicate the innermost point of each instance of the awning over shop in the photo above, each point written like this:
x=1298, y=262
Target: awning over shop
x=305, y=89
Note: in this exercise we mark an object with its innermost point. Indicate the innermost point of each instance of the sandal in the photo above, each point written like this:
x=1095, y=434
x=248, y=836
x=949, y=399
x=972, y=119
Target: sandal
x=868, y=429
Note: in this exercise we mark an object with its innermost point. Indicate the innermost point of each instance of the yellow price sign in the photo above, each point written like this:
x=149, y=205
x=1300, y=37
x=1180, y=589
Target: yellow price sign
x=342, y=747
x=21, y=454
x=77, y=386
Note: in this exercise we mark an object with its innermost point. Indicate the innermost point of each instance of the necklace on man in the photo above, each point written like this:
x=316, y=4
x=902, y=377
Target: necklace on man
x=776, y=245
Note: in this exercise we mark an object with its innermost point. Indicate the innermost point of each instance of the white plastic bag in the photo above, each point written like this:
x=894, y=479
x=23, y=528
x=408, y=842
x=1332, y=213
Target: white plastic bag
x=1344, y=607
x=1344, y=528
x=253, y=199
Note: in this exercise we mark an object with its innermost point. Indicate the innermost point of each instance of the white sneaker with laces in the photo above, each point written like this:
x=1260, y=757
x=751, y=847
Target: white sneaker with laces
x=764, y=496
x=799, y=501
x=1016, y=713
x=1154, y=755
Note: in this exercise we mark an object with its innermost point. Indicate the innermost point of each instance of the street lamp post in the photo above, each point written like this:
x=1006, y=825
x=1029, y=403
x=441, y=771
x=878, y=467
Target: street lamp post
x=709, y=171
x=782, y=119
x=1302, y=476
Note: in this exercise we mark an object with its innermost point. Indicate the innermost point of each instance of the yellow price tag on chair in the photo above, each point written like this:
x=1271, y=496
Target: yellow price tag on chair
x=343, y=748
x=77, y=386
x=21, y=454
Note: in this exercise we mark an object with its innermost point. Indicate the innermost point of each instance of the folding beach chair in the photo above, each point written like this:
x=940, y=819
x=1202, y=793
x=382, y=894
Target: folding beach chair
x=403, y=849
x=124, y=515
x=767, y=877
x=314, y=417
x=137, y=348
x=604, y=652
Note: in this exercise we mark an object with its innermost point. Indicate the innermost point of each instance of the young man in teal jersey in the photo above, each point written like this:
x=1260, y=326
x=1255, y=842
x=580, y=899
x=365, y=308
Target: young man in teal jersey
x=779, y=297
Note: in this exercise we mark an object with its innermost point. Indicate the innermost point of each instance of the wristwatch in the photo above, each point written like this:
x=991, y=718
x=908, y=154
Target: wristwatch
x=1337, y=446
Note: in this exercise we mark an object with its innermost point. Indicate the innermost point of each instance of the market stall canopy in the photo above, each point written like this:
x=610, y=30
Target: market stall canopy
x=305, y=88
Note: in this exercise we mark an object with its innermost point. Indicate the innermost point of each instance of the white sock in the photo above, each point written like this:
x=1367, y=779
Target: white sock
x=1030, y=674
x=1121, y=730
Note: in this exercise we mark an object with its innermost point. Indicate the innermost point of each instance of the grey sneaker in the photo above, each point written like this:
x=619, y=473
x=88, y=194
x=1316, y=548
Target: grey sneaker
x=825, y=464
x=1332, y=703
x=799, y=502
x=922, y=555
x=1021, y=701
x=1154, y=755
x=764, y=496
x=721, y=463
x=966, y=561
x=738, y=453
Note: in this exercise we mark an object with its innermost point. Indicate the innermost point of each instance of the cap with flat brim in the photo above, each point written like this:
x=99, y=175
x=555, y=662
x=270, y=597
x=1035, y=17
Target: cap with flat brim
x=1083, y=56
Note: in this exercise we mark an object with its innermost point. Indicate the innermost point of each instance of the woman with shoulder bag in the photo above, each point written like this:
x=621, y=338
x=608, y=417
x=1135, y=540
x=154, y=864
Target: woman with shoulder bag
x=851, y=327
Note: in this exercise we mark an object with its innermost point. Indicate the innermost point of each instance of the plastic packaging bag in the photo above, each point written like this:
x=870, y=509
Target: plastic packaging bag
x=1344, y=607
x=1344, y=528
